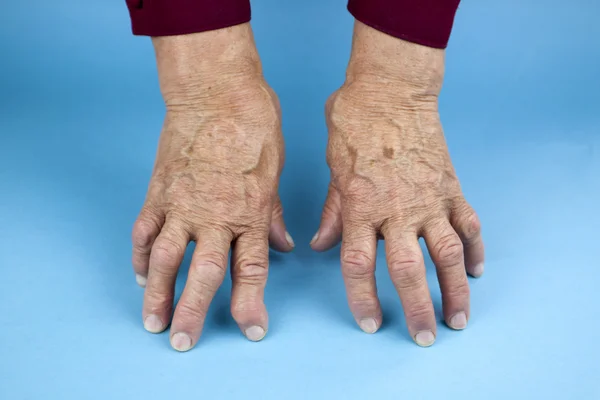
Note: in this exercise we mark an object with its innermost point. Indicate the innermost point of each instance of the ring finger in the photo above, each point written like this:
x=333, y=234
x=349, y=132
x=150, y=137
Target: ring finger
x=207, y=270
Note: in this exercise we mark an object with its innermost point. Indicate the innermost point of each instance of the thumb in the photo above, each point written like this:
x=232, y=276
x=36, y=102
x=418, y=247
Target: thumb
x=279, y=238
x=330, y=231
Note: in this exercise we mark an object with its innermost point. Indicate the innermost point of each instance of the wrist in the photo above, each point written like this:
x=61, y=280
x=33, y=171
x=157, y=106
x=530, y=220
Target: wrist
x=389, y=62
x=195, y=67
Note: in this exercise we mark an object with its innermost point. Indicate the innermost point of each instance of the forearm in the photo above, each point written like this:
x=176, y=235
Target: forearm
x=388, y=62
x=203, y=66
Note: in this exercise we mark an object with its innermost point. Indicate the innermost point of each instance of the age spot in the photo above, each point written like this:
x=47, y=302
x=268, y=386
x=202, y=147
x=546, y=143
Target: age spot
x=388, y=152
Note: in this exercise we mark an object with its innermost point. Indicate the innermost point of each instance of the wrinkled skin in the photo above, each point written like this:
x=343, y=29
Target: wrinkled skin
x=217, y=170
x=392, y=178
x=214, y=182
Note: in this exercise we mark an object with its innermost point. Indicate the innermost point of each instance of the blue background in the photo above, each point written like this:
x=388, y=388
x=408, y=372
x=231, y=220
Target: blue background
x=80, y=114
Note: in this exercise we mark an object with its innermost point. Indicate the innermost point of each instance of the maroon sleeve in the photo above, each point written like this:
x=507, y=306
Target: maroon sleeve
x=426, y=22
x=178, y=17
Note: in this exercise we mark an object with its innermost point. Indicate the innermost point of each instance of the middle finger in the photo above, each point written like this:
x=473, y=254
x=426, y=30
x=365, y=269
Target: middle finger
x=207, y=270
x=407, y=271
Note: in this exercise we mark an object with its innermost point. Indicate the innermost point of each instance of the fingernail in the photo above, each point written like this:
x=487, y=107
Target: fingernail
x=181, y=342
x=369, y=325
x=458, y=321
x=153, y=324
x=255, y=333
x=425, y=338
x=314, y=239
x=477, y=270
x=289, y=239
x=140, y=280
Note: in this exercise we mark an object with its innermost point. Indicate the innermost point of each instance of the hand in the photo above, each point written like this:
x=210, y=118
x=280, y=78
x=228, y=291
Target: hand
x=214, y=182
x=392, y=178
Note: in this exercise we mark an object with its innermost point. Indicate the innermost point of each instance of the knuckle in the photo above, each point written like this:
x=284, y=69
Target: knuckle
x=404, y=266
x=473, y=225
x=448, y=251
x=143, y=231
x=357, y=264
x=212, y=273
x=213, y=260
x=166, y=252
x=330, y=102
x=405, y=269
x=468, y=221
x=341, y=105
x=252, y=272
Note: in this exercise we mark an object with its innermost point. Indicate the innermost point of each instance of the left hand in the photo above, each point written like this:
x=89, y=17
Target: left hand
x=392, y=178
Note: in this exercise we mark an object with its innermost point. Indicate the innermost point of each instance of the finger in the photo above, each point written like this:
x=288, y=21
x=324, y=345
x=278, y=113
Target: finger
x=249, y=270
x=407, y=271
x=359, y=250
x=446, y=251
x=467, y=225
x=330, y=230
x=207, y=270
x=166, y=256
x=145, y=230
x=279, y=238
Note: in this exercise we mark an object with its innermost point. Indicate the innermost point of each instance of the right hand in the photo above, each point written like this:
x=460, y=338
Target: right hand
x=215, y=182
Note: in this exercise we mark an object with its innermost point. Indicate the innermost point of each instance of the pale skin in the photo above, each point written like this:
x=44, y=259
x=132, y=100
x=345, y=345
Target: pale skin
x=217, y=172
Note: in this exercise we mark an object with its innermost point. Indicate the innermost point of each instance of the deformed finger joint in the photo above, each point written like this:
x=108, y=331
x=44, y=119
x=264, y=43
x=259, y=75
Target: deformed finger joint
x=357, y=264
x=448, y=251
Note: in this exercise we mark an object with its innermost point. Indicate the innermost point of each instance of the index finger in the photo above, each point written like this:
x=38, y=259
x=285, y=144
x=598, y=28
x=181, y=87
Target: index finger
x=358, y=253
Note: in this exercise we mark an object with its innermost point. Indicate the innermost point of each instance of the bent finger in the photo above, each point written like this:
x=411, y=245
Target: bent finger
x=207, y=270
x=358, y=253
x=145, y=230
x=407, y=271
x=446, y=251
x=166, y=256
x=249, y=271
x=466, y=223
